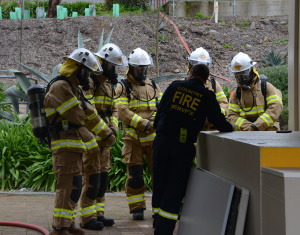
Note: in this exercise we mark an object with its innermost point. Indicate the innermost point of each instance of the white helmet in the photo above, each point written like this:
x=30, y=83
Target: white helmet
x=86, y=58
x=113, y=54
x=241, y=62
x=199, y=56
x=139, y=57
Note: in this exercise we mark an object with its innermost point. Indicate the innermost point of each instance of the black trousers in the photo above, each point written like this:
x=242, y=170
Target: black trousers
x=172, y=162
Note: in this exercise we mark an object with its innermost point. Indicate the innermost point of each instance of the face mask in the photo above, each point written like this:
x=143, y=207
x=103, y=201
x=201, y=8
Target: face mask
x=139, y=73
x=83, y=77
x=109, y=71
x=243, y=79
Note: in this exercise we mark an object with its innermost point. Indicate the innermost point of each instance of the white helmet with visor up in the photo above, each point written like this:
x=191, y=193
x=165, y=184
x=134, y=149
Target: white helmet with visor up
x=113, y=54
x=86, y=58
x=199, y=56
x=139, y=57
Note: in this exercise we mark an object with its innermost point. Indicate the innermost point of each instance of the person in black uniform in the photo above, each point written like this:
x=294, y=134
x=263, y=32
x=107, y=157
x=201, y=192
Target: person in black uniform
x=181, y=114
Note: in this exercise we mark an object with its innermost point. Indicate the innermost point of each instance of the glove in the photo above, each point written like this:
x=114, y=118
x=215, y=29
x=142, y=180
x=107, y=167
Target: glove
x=149, y=128
x=110, y=139
x=253, y=128
x=114, y=131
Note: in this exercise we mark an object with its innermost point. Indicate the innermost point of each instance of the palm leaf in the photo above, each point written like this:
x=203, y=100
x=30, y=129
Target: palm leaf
x=101, y=40
x=36, y=73
x=55, y=70
x=108, y=37
x=15, y=91
x=7, y=115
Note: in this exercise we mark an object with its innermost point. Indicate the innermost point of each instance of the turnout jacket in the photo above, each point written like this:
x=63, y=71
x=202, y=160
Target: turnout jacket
x=186, y=105
x=101, y=96
x=250, y=109
x=64, y=103
x=137, y=109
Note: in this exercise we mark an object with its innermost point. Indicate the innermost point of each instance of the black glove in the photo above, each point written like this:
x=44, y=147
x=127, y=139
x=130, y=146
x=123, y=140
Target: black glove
x=253, y=127
x=114, y=131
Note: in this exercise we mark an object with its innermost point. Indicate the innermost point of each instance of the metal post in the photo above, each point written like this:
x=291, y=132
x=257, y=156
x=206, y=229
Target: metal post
x=234, y=7
x=173, y=6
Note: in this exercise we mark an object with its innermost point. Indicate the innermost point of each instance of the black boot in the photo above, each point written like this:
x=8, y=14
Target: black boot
x=138, y=214
x=93, y=224
x=106, y=221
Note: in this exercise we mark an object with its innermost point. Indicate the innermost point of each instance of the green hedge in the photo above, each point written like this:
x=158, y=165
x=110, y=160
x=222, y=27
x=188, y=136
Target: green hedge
x=278, y=76
x=26, y=164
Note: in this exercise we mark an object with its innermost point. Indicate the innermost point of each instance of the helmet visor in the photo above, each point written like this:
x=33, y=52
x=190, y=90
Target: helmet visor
x=242, y=77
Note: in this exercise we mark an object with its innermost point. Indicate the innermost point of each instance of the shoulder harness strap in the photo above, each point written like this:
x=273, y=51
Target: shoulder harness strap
x=213, y=83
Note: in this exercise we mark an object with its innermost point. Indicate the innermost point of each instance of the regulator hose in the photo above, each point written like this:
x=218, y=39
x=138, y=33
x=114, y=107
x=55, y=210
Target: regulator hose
x=24, y=225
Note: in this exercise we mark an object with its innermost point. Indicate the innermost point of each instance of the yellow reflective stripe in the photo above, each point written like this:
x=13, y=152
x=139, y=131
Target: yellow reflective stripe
x=49, y=111
x=91, y=144
x=220, y=95
x=131, y=132
x=136, y=198
x=137, y=103
x=114, y=120
x=273, y=98
x=154, y=114
x=67, y=143
x=67, y=105
x=88, y=210
x=254, y=110
x=102, y=100
x=147, y=138
x=239, y=123
x=168, y=215
x=223, y=111
x=63, y=213
x=99, y=127
x=100, y=206
x=234, y=107
x=160, y=96
x=98, y=138
x=267, y=119
x=155, y=210
x=122, y=101
x=92, y=116
x=135, y=120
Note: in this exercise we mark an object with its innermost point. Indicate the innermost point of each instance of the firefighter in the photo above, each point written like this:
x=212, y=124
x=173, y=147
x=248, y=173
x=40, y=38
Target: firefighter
x=71, y=118
x=249, y=108
x=101, y=94
x=201, y=56
x=182, y=112
x=139, y=97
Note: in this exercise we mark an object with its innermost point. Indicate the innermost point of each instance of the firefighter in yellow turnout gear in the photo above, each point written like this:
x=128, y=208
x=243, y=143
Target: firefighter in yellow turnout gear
x=201, y=56
x=68, y=115
x=101, y=94
x=250, y=109
x=137, y=106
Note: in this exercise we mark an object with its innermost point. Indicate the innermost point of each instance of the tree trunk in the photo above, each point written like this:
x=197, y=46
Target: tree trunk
x=52, y=8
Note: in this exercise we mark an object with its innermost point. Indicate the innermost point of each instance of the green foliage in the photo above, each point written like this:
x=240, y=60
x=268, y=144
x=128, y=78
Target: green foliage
x=22, y=158
x=278, y=76
x=227, y=45
x=244, y=24
x=128, y=5
x=283, y=40
x=199, y=15
x=3, y=98
x=273, y=59
x=7, y=7
x=117, y=173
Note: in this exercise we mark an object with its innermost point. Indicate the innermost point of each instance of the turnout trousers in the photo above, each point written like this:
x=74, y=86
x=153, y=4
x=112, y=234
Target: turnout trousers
x=90, y=186
x=172, y=162
x=133, y=153
x=105, y=159
x=68, y=171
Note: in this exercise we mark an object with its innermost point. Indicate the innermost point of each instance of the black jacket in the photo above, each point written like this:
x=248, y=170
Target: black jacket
x=187, y=104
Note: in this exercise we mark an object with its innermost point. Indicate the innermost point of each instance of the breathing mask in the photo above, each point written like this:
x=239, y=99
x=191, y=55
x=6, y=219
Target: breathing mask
x=83, y=77
x=139, y=73
x=109, y=71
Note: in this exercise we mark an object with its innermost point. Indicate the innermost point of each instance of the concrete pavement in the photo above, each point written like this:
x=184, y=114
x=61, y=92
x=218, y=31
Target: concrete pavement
x=37, y=209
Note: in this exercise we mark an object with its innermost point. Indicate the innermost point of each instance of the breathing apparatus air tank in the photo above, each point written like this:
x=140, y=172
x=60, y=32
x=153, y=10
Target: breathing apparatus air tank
x=36, y=95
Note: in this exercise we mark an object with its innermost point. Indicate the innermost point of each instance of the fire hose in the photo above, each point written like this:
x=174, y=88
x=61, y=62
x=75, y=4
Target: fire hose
x=24, y=225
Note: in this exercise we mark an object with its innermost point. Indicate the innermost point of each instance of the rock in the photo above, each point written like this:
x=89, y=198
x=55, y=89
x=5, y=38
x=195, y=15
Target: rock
x=252, y=25
x=176, y=71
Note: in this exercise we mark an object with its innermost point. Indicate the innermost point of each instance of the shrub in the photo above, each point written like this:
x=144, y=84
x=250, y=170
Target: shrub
x=273, y=59
x=129, y=5
x=278, y=76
